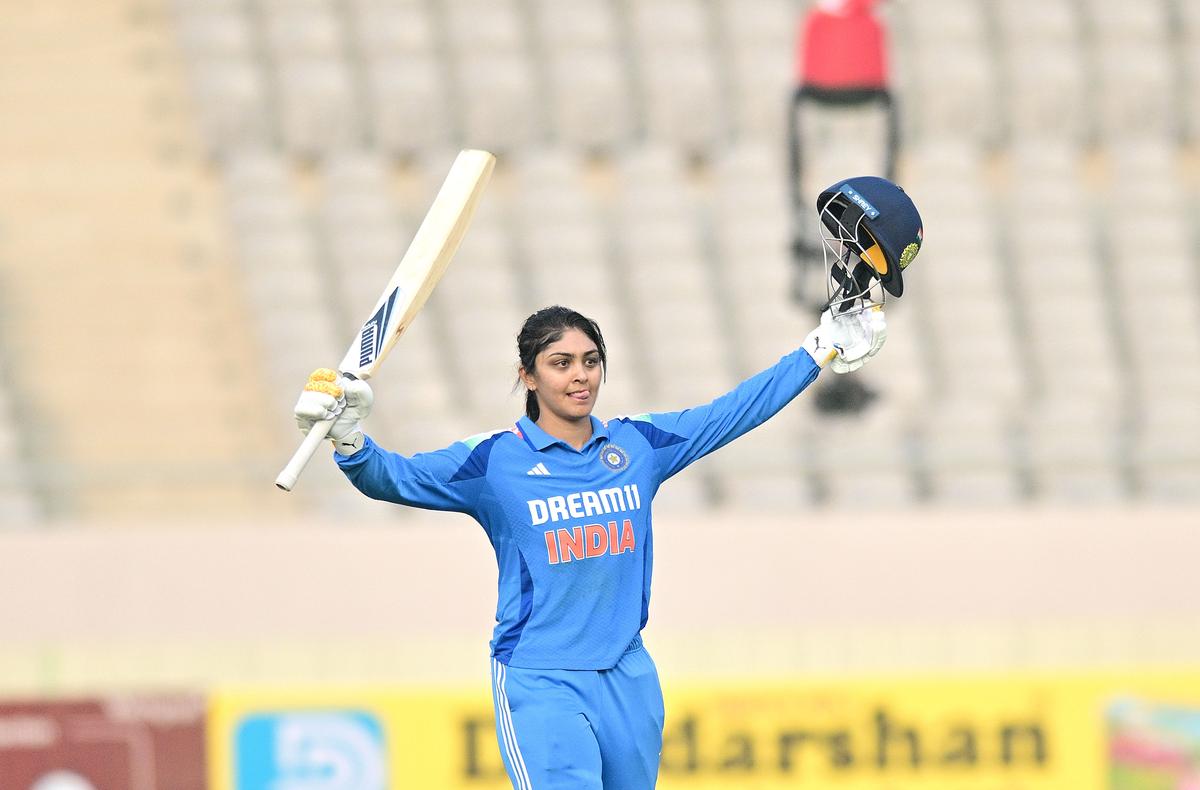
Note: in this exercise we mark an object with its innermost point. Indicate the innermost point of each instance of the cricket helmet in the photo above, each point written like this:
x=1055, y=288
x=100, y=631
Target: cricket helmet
x=870, y=231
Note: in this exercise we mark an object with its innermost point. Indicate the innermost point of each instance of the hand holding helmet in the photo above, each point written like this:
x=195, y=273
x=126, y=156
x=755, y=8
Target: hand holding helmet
x=870, y=232
x=846, y=342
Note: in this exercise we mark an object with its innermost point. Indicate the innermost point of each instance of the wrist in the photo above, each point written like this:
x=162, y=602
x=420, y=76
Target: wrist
x=819, y=346
x=350, y=443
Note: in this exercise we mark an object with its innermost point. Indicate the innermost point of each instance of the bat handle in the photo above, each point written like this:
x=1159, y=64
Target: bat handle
x=287, y=478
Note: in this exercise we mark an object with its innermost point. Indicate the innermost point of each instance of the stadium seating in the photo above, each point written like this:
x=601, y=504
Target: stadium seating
x=405, y=80
x=227, y=85
x=18, y=505
x=756, y=54
x=679, y=86
x=1041, y=47
x=496, y=88
x=586, y=75
x=679, y=230
x=951, y=80
x=1051, y=146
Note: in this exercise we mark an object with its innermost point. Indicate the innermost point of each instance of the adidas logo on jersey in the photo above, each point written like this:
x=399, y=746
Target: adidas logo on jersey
x=540, y=469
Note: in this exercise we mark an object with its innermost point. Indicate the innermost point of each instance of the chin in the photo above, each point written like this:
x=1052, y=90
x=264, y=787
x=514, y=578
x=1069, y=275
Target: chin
x=579, y=412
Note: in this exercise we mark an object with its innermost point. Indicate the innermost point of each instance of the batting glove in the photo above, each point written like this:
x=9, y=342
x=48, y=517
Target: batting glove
x=328, y=395
x=869, y=335
x=845, y=342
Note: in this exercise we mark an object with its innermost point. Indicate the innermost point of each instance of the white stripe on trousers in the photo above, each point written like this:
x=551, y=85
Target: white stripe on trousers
x=507, y=731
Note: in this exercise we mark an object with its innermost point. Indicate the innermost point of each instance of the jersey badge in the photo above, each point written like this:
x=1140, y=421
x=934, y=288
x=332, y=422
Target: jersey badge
x=614, y=457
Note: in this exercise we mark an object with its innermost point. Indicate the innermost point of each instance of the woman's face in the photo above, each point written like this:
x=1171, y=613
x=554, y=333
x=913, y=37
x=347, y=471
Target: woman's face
x=566, y=377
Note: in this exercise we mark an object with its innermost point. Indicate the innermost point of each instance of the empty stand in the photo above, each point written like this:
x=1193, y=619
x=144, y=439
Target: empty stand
x=18, y=501
x=669, y=279
x=226, y=80
x=315, y=87
x=866, y=461
x=961, y=286
x=1164, y=450
x=115, y=258
x=1049, y=145
x=1077, y=451
x=757, y=45
x=680, y=89
x=496, y=85
x=1134, y=76
x=1187, y=50
x=970, y=454
x=749, y=227
x=586, y=73
x=1153, y=262
x=279, y=261
x=1055, y=250
x=1043, y=61
x=769, y=469
x=406, y=80
x=950, y=80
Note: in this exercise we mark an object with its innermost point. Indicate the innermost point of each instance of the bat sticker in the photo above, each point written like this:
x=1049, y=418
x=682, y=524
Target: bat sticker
x=373, y=334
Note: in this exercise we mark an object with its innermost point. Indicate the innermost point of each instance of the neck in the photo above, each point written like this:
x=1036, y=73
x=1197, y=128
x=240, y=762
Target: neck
x=574, y=432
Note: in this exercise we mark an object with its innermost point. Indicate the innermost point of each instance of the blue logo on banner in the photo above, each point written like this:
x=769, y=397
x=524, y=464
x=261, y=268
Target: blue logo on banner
x=310, y=750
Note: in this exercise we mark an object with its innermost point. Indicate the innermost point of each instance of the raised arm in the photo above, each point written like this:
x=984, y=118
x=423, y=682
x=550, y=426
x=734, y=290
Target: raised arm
x=681, y=437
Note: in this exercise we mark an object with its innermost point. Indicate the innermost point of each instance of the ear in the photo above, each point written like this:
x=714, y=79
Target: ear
x=527, y=379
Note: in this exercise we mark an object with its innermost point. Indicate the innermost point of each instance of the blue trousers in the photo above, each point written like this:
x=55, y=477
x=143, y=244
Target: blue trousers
x=580, y=729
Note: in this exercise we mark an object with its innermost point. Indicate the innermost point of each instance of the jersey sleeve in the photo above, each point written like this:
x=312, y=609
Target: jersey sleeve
x=681, y=437
x=424, y=480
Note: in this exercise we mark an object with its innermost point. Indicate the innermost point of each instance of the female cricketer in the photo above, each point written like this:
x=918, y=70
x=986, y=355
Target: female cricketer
x=565, y=499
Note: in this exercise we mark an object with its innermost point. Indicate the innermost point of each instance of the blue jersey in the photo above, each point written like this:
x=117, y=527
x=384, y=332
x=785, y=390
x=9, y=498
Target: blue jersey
x=571, y=528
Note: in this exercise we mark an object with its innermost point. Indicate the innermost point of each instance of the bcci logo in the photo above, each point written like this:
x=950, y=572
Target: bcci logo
x=310, y=750
x=614, y=457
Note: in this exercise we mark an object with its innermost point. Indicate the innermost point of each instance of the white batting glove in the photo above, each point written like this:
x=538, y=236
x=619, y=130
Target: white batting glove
x=823, y=343
x=869, y=337
x=328, y=395
x=846, y=342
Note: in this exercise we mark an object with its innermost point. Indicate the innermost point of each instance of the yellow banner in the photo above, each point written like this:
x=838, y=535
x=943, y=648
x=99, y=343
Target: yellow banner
x=1132, y=731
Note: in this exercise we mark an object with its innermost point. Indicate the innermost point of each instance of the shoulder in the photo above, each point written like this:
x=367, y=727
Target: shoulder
x=643, y=425
x=479, y=448
x=475, y=440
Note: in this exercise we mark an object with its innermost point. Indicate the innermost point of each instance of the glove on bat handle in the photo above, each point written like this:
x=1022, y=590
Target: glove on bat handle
x=306, y=450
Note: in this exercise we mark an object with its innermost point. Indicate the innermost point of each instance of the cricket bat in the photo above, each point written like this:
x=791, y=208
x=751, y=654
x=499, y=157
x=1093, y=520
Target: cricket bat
x=414, y=279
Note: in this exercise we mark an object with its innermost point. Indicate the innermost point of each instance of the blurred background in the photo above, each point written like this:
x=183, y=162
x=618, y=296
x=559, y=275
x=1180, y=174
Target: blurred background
x=200, y=200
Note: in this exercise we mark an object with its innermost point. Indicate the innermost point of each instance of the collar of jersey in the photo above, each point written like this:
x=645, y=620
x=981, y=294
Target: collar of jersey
x=540, y=440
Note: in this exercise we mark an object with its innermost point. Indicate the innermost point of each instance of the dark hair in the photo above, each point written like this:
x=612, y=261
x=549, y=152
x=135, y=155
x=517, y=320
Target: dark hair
x=544, y=327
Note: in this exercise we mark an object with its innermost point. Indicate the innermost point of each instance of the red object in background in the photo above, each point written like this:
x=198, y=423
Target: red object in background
x=843, y=46
x=119, y=743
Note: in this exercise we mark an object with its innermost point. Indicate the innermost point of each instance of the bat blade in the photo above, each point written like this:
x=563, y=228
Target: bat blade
x=432, y=248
